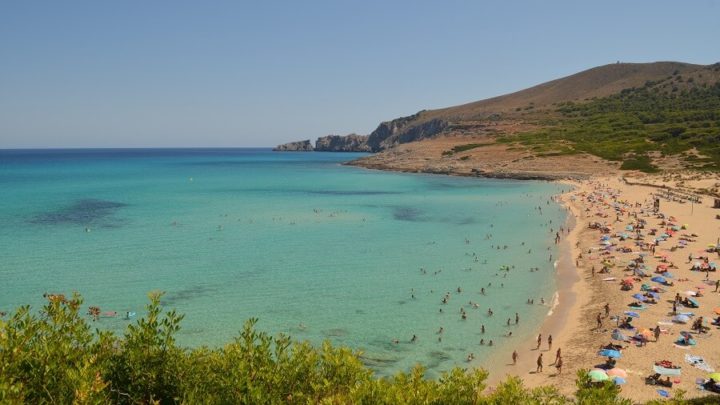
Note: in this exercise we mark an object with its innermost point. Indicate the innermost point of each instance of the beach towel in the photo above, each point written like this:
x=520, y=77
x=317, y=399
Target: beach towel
x=663, y=393
x=698, y=362
x=666, y=371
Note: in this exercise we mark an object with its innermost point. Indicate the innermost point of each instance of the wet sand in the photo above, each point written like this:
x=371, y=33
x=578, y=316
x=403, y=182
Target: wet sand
x=564, y=308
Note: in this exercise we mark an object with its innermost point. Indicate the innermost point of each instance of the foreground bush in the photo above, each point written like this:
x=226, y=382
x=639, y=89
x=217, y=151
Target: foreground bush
x=55, y=357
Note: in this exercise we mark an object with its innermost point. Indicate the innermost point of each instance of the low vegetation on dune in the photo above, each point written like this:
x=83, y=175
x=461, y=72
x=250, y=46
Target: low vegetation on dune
x=464, y=148
x=675, y=116
x=56, y=357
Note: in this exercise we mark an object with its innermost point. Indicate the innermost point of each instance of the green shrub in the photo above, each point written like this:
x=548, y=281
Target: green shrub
x=56, y=358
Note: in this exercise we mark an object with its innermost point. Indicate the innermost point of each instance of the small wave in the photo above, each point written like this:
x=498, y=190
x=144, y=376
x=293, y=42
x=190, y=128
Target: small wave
x=555, y=303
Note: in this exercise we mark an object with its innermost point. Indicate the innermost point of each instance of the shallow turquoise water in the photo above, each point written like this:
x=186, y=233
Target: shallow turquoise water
x=312, y=248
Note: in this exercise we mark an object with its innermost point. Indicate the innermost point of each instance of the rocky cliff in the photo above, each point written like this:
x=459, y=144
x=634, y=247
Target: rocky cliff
x=385, y=136
x=404, y=130
x=347, y=143
x=300, y=146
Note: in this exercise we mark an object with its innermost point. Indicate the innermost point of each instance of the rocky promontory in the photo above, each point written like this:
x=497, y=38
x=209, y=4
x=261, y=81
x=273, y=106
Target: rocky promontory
x=387, y=135
x=299, y=146
x=347, y=143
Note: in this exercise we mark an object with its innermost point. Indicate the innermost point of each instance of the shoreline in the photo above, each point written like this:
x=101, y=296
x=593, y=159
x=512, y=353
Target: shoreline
x=487, y=174
x=611, y=198
x=566, y=308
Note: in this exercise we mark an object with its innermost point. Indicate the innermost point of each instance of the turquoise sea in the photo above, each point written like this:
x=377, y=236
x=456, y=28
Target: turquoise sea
x=312, y=248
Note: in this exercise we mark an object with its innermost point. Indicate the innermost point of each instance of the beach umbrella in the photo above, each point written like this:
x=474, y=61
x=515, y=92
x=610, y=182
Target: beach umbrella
x=714, y=376
x=598, y=375
x=658, y=279
x=639, y=297
x=617, y=372
x=614, y=354
x=619, y=381
x=695, y=303
x=681, y=318
x=617, y=335
x=632, y=313
x=646, y=333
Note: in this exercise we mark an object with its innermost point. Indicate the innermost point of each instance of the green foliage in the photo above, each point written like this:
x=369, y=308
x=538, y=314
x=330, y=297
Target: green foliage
x=639, y=162
x=590, y=393
x=634, y=122
x=463, y=148
x=56, y=358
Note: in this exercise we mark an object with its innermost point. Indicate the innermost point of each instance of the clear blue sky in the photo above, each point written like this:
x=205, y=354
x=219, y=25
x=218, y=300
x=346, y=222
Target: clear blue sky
x=216, y=73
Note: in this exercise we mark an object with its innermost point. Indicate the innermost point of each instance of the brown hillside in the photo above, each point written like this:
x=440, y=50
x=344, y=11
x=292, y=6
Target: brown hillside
x=600, y=81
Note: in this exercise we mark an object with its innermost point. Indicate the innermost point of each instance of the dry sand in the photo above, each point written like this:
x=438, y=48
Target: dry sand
x=582, y=296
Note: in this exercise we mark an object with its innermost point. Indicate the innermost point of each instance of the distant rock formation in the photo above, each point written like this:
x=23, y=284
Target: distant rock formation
x=299, y=146
x=404, y=130
x=387, y=135
x=347, y=143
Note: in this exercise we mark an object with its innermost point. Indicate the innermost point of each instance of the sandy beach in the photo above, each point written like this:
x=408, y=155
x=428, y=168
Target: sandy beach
x=616, y=208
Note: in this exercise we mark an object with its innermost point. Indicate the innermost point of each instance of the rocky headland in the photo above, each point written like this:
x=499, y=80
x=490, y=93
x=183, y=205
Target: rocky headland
x=299, y=146
x=621, y=116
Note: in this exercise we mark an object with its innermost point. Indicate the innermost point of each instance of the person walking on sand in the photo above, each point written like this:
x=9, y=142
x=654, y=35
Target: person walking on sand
x=656, y=332
x=558, y=365
x=514, y=357
x=549, y=342
x=539, y=341
x=539, y=364
x=717, y=282
x=599, y=321
x=607, y=309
